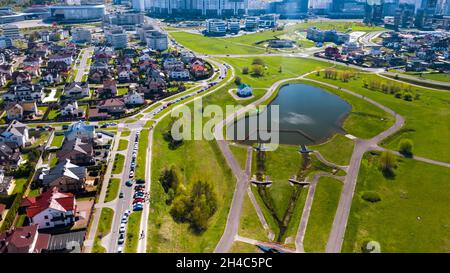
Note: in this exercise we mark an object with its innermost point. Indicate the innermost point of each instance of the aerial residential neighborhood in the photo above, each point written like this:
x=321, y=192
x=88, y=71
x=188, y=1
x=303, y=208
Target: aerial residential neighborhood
x=220, y=126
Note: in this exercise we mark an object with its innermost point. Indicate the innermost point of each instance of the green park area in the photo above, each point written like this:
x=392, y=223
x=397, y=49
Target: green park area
x=103, y=229
x=142, y=154
x=406, y=211
x=241, y=247
x=123, y=145
x=326, y=199
x=250, y=226
x=112, y=190
x=57, y=141
x=252, y=43
x=338, y=149
x=132, y=233
x=419, y=106
x=119, y=160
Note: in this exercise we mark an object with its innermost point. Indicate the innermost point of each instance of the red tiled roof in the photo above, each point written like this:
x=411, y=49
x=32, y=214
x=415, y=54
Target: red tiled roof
x=51, y=199
x=111, y=102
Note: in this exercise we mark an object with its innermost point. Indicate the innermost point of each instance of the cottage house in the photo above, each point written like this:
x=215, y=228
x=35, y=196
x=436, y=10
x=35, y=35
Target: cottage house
x=79, y=130
x=76, y=90
x=10, y=155
x=25, y=239
x=133, y=98
x=78, y=151
x=16, y=133
x=65, y=176
x=111, y=106
x=52, y=209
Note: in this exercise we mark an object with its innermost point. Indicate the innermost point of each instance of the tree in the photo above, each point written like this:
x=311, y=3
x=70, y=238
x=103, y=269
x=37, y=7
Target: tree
x=196, y=207
x=237, y=80
x=257, y=70
x=245, y=70
x=258, y=61
x=169, y=179
x=405, y=146
x=387, y=163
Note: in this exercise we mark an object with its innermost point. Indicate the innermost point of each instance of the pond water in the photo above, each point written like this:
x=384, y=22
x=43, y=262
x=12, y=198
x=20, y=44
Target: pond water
x=307, y=115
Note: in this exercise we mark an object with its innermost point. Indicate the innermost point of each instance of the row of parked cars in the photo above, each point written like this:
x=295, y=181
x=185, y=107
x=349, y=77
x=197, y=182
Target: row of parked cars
x=133, y=156
x=122, y=228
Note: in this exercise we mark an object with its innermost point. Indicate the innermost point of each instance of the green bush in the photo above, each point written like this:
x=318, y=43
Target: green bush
x=371, y=196
x=405, y=146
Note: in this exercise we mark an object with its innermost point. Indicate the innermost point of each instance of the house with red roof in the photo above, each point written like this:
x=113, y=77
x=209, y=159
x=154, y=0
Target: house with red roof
x=111, y=106
x=198, y=69
x=51, y=209
x=24, y=240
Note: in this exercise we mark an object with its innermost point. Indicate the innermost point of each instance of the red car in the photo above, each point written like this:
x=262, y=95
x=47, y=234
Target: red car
x=138, y=200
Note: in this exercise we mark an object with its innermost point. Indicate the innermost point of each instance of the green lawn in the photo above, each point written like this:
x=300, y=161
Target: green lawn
x=132, y=233
x=53, y=114
x=429, y=137
x=57, y=141
x=197, y=160
x=142, y=154
x=123, y=145
x=249, y=225
x=438, y=77
x=248, y=43
x=125, y=133
x=118, y=164
x=214, y=45
x=290, y=68
x=338, y=149
x=240, y=247
x=112, y=190
x=412, y=215
x=240, y=153
x=326, y=199
x=104, y=227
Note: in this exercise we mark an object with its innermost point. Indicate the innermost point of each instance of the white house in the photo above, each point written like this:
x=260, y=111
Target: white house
x=66, y=57
x=179, y=74
x=76, y=90
x=133, y=98
x=79, y=130
x=16, y=132
x=52, y=209
x=71, y=109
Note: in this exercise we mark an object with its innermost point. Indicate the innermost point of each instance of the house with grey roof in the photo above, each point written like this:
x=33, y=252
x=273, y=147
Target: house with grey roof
x=65, y=176
x=16, y=132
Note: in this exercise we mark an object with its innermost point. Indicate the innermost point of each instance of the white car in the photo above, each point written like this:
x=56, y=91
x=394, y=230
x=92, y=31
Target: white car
x=122, y=230
x=120, y=249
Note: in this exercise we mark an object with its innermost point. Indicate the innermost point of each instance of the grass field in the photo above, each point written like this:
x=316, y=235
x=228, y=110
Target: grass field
x=412, y=215
x=57, y=141
x=123, y=145
x=326, y=199
x=118, y=164
x=249, y=225
x=142, y=154
x=104, y=227
x=112, y=190
x=204, y=163
x=429, y=137
x=290, y=68
x=248, y=43
x=132, y=233
x=240, y=153
x=125, y=133
x=338, y=149
x=240, y=247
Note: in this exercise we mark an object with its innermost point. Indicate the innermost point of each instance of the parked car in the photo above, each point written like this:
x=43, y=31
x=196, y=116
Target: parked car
x=121, y=195
x=129, y=183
